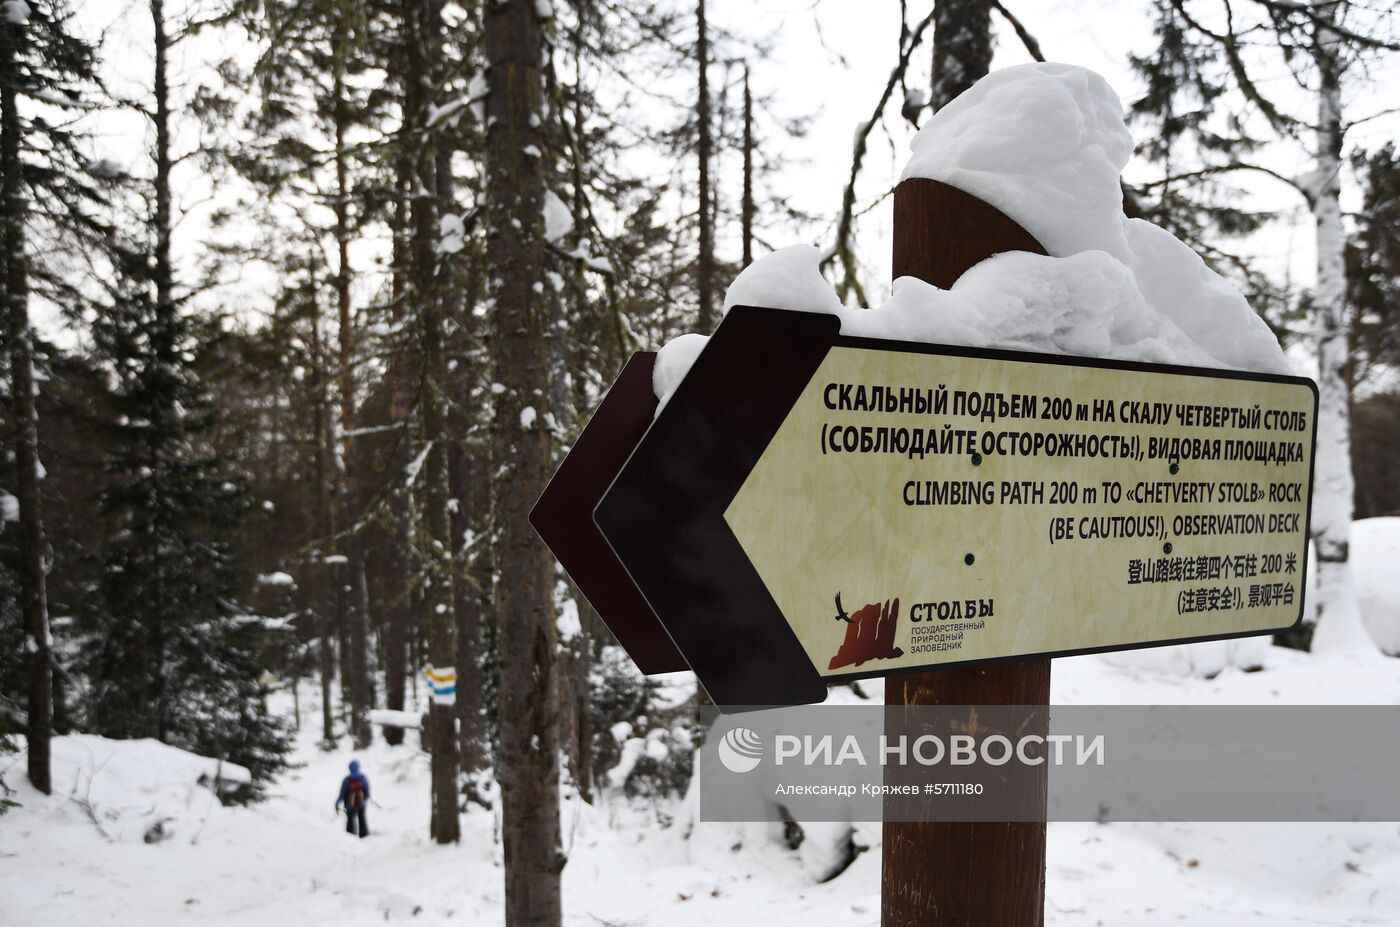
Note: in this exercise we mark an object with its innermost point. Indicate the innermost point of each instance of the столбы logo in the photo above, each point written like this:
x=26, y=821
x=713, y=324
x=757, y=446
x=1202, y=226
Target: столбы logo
x=869, y=634
x=740, y=750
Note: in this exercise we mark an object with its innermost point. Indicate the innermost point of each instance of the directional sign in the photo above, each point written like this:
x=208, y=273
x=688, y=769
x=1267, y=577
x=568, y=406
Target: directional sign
x=811, y=507
x=563, y=517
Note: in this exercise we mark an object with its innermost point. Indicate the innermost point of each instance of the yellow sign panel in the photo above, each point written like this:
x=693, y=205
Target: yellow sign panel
x=926, y=508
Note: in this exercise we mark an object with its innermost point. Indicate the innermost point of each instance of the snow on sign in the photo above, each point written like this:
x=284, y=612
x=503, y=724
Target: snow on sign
x=810, y=507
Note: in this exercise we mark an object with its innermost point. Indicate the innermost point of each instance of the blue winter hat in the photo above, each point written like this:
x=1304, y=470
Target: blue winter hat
x=354, y=767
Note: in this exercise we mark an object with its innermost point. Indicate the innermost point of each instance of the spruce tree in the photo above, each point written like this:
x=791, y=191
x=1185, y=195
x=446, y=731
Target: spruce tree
x=52, y=192
x=173, y=653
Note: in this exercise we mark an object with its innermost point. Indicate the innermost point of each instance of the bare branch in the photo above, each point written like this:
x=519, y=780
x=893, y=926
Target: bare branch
x=1229, y=43
x=1028, y=40
x=1292, y=8
x=1232, y=167
x=842, y=250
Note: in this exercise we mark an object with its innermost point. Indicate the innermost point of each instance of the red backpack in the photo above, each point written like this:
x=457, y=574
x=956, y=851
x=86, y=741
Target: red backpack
x=355, y=792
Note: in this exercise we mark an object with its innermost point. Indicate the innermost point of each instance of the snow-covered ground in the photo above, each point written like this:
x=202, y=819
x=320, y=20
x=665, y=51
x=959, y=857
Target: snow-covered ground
x=1050, y=155
x=289, y=861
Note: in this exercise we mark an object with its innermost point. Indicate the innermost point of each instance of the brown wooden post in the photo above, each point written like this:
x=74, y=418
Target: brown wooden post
x=976, y=874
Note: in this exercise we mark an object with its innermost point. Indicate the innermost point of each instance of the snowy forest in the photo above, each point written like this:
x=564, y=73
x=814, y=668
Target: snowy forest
x=305, y=300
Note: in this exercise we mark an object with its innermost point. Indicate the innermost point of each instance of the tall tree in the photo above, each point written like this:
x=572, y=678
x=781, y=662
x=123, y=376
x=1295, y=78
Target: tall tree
x=355, y=612
x=1331, y=516
x=425, y=298
x=314, y=142
x=1373, y=268
x=20, y=335
x=1319, y=44
x=704, y=144
x=746, y=207
x=56, y=225
x=174, y=655
x=524, y=601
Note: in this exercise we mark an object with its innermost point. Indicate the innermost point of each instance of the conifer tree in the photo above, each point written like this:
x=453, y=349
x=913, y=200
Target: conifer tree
x=173, y=654
x=20, y=339
x=53, y=194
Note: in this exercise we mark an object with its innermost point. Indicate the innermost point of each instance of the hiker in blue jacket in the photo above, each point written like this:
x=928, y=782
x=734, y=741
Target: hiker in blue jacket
x=354, y=795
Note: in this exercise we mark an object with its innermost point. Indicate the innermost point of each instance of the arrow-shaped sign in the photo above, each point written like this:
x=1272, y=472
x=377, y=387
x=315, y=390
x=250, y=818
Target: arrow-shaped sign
x=563, y=517
x=811, y=507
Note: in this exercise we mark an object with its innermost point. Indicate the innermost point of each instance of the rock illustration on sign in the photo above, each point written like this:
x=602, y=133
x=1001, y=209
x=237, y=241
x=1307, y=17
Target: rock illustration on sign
x=869, y=634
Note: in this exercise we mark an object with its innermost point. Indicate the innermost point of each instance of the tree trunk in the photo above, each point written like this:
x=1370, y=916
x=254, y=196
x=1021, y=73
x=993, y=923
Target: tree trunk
x=325, y=527
x=425, y=296
x=33, y=595
x=356, y=604
x=463, y=473
x=705, y=261
x=396, y=601
x=746, y=207
x=1338, y=616
x=575, y=699
x=520, y=443
x=962, y=47
x=162, y=337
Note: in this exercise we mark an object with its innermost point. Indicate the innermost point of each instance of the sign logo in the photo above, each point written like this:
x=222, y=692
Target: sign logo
x=740, y=750
x=869, y=634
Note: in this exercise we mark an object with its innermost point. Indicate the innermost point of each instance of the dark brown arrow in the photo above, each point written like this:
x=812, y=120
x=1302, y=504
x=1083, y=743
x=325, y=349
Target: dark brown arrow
x=563, y=517
x=664, y=514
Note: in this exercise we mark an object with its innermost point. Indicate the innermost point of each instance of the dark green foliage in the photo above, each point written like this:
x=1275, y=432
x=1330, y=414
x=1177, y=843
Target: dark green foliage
x=1375, y=441
x=11, y=659
x=621, y=694
x=1373, y=266
x=67, y=187
x=1189, y=135
x=170, y=652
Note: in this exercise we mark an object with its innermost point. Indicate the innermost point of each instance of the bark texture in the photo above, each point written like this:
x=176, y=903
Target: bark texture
x=1338, y=615
x=746, y=208
x=356, y=599
x=162, y=337
x=33, y=594
x=705, y=260
x=520, y=444
x=423, y=20
x=962, y=47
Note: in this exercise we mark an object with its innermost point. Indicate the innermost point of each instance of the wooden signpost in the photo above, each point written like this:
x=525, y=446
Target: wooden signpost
x=940, y=234
x=812, y=507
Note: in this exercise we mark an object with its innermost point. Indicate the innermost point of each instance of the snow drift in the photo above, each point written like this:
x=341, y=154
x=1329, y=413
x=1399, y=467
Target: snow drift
x=1375, y=555
x=142, y=790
